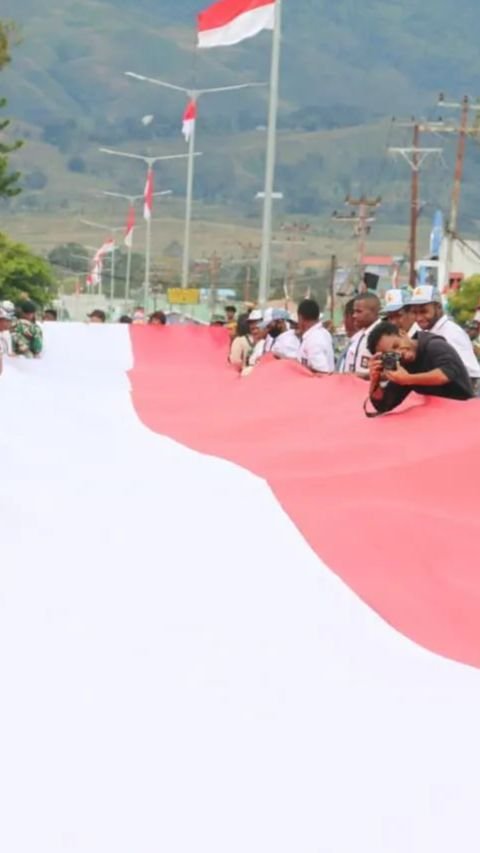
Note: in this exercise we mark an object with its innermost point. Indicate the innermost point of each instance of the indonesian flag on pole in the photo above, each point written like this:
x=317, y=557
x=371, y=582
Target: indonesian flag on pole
x=148, y=196
x=189, y=119
x=231, y=21
x=320, y=693
x=130, y=227
x=105, y=249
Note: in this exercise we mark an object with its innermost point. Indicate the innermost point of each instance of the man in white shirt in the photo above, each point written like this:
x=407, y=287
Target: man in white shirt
x=5, y=336
x=275, y=323
x=316, y=348
x=366, y=313
x=429, y=314
x=397, y=310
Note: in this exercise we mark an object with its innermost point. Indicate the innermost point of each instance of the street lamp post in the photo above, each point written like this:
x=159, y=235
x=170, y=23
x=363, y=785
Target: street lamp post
x=150, y=163
x=112, y=230
x=132, y=200
x=193, y=95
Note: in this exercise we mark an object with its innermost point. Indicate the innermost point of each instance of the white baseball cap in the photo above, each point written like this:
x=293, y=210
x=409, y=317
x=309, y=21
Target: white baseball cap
x=424, y=294
x=255, y=316
x=395, y=300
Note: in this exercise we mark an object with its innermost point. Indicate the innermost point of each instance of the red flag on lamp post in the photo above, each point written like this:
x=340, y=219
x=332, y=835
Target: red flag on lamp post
x=148, y=196
x=130, y=226
x=189, y=119
x=231, y=21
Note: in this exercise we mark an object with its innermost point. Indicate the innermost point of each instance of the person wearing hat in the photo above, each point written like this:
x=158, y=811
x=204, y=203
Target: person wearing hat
x=27, y=335
x=275, y=323
x=97, y=316
x=397, y=310
x=282, y=340
x=244, y=345
x=430, y=316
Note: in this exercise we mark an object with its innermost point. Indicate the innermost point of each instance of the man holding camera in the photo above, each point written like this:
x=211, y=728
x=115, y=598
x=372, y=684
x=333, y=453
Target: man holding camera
x=426, y=364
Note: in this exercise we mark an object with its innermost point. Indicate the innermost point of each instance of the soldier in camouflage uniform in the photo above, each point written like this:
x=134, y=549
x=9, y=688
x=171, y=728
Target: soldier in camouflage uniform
x=27, y=336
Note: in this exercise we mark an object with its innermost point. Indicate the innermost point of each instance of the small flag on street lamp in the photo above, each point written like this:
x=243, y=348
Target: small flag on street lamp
x=148, y=196
x=129, y=228
x=189, y=119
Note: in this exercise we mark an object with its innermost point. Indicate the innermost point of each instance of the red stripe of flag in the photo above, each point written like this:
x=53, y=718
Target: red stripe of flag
x=230, y=21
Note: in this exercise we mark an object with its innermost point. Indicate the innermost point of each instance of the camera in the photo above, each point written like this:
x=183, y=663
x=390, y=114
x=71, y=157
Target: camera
x=390, y=360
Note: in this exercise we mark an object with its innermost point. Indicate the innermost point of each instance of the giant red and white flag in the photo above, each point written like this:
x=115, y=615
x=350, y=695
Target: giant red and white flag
x=165, y=688
x=130, y=227
x=189, y=119
x=231, y=21
x=148, y=195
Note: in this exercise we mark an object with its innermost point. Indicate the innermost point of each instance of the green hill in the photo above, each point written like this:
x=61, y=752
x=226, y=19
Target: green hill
x=346, y=68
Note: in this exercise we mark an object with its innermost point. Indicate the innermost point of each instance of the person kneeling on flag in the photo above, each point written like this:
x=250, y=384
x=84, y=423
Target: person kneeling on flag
x=426, y=364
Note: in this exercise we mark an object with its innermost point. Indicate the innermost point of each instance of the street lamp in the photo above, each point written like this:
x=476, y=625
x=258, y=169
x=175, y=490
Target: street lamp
x=111, y=230
x=150, y=163
x=132, y=200
x=193, y=95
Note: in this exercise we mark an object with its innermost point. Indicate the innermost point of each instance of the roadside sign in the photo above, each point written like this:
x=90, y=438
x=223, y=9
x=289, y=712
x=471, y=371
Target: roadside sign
x=183, y=296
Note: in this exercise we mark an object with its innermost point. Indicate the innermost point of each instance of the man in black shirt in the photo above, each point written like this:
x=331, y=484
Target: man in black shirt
x=426, y=364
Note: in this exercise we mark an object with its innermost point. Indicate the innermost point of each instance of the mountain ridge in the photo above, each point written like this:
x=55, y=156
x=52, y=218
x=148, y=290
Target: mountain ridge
x=342, y=67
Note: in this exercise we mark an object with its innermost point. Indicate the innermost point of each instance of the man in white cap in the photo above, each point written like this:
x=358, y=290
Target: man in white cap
x=430, y=316
x=397, y=310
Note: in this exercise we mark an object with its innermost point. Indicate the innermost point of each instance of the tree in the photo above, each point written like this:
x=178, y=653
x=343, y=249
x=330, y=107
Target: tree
x=8, y=180
x=70, y=256
x=35, y=180
x=77, y=164
x=23, y=274
x=464, y=303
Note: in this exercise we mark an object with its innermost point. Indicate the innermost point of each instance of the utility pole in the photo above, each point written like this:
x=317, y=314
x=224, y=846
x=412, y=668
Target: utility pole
x=463, y=130
x=415, y=156
x=362, y=222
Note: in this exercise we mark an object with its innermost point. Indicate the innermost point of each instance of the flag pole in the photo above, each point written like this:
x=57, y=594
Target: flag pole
x=129, y=268
x=189, y=206
x=148, y=248
x=112, y=276
x=265, y=262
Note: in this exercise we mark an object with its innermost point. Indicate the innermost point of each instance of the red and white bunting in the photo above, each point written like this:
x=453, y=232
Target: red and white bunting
x=189, y=119
x=231, y=21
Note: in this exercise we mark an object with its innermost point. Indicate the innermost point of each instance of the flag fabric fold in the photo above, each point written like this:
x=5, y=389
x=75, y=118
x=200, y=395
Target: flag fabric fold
x=318, y=693
x=148, y=196
x=229, y=22
x=94, y=279
x=189, y=119
x=130, y=227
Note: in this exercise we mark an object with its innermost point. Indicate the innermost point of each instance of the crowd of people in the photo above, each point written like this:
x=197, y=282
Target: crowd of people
x=405, y=343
